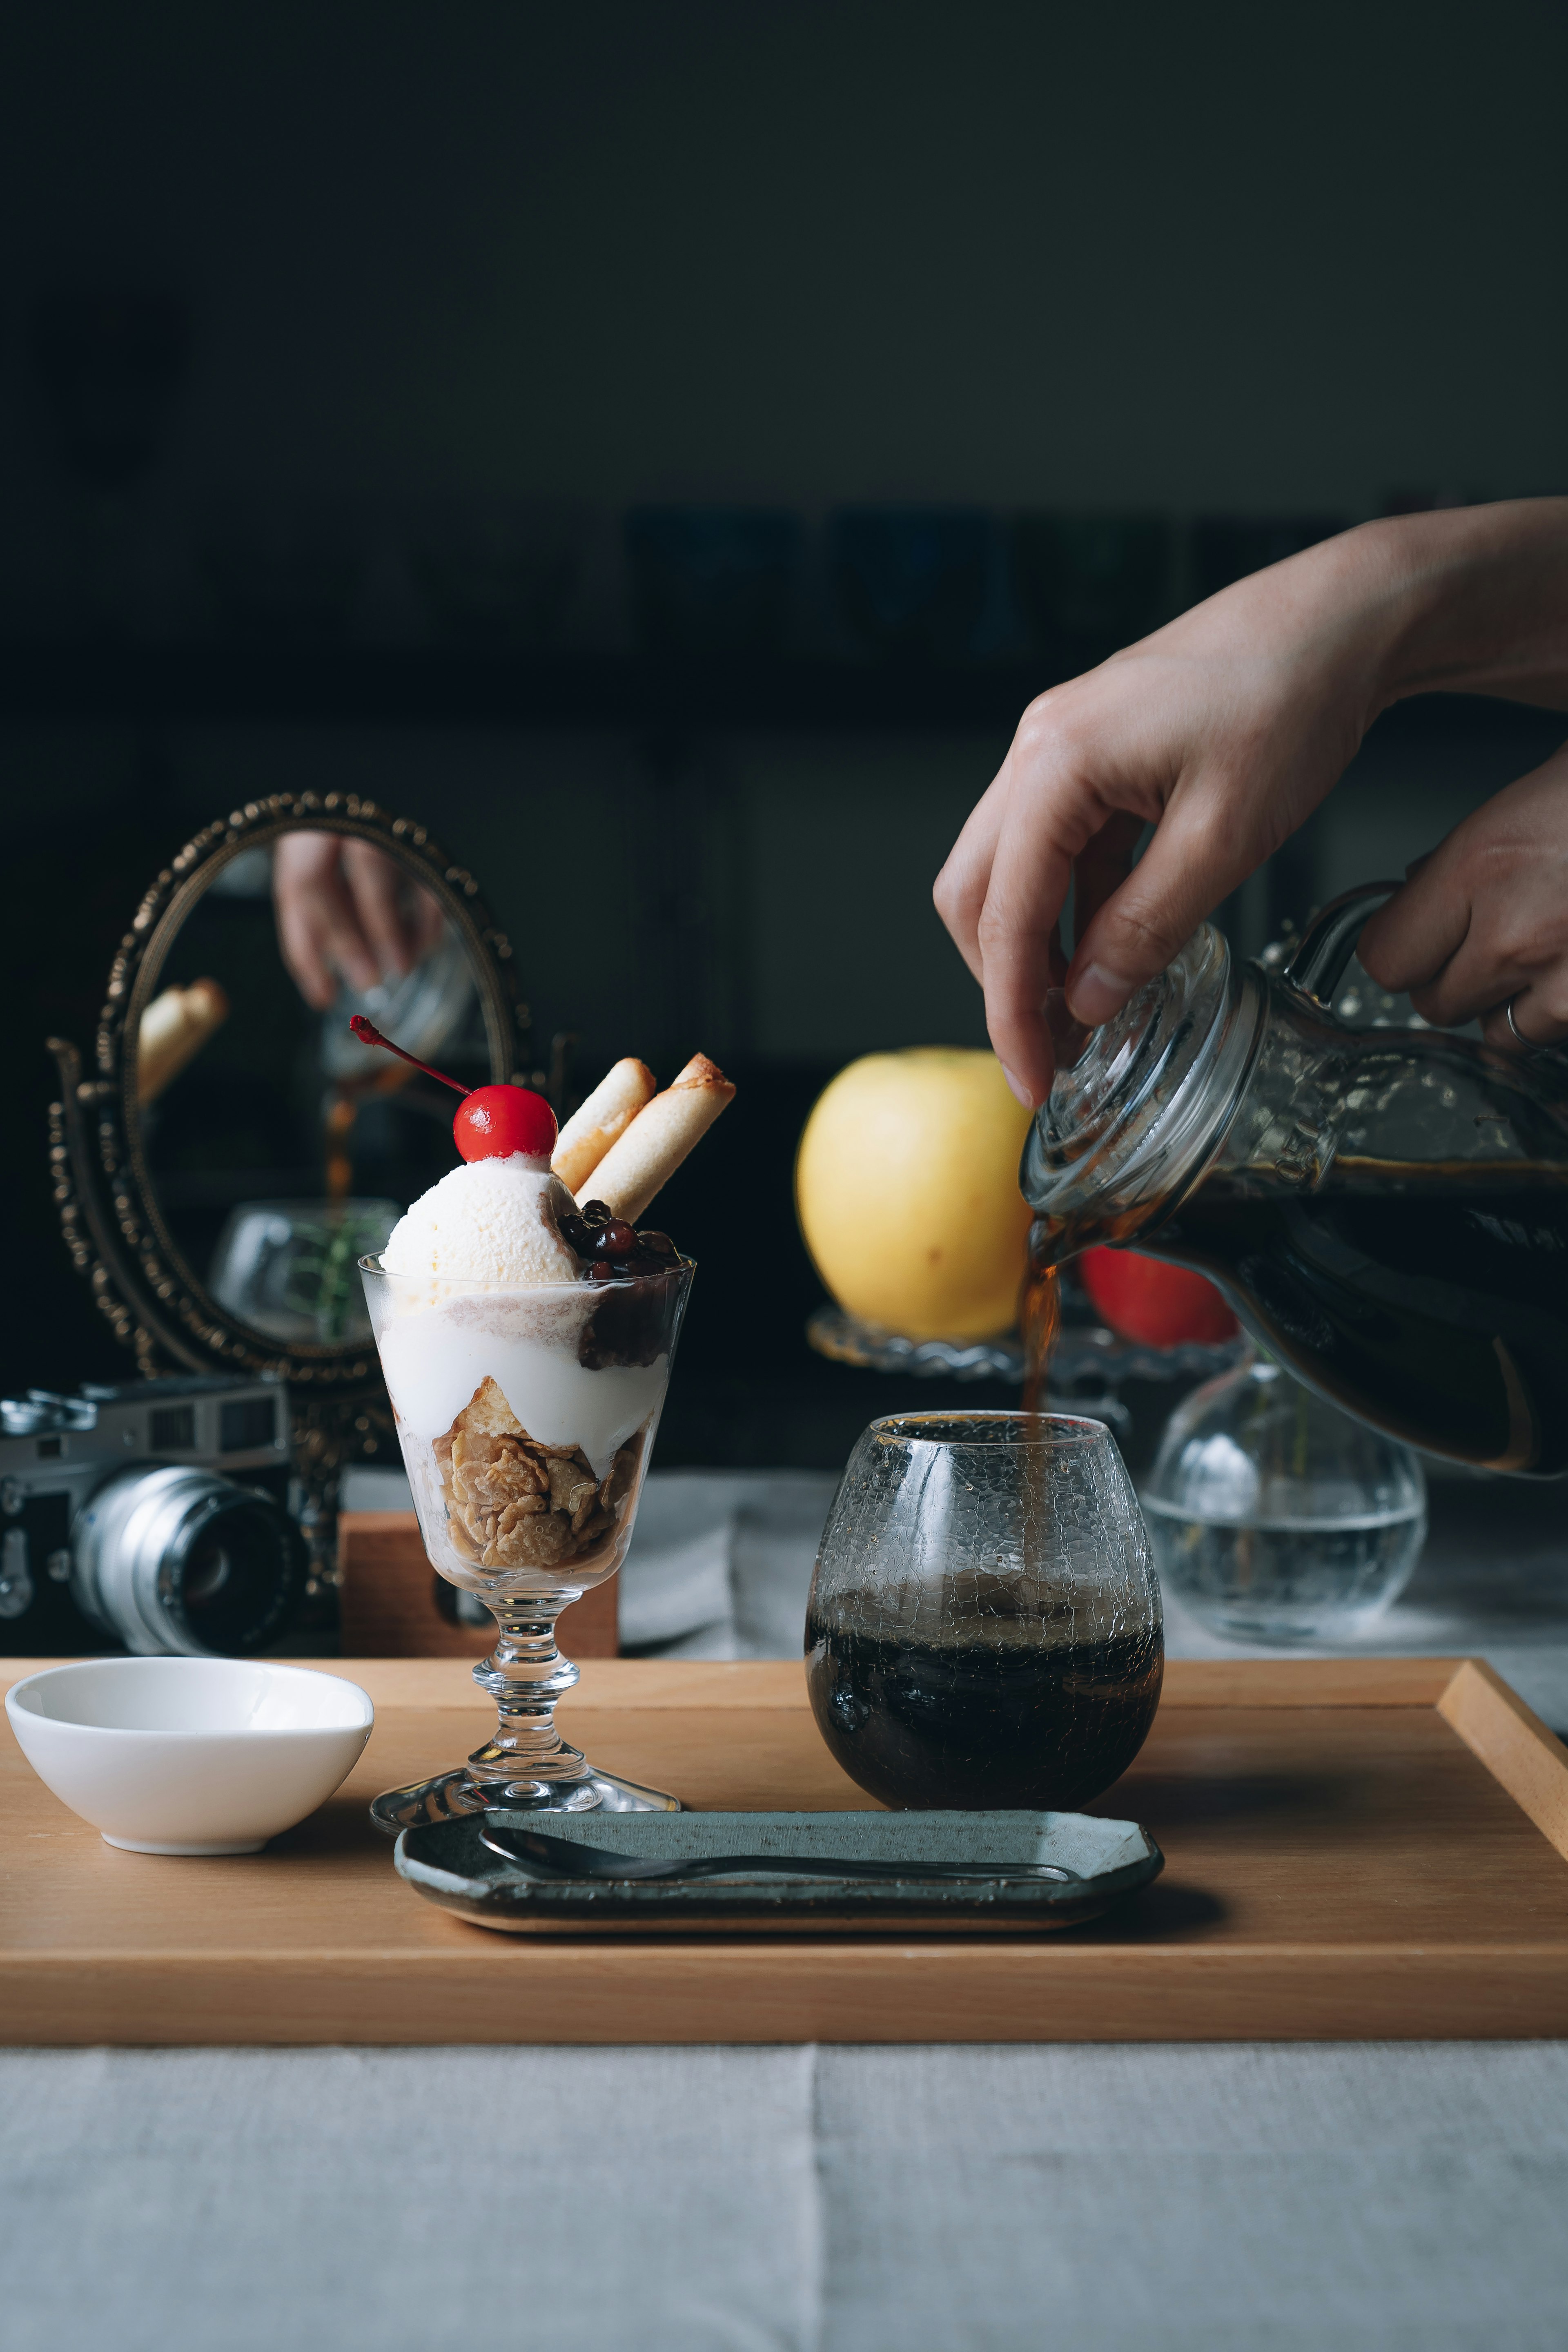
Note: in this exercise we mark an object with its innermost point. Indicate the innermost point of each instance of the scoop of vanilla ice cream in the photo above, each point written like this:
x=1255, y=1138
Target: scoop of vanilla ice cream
x=488, y=1221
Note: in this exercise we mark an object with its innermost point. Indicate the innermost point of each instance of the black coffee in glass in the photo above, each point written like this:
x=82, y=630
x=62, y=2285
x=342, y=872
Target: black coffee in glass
x=978, y=1722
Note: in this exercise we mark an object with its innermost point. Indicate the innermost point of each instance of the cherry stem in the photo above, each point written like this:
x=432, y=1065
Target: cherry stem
x=369, y=1035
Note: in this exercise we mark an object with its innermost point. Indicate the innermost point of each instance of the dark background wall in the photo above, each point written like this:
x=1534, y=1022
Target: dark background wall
x=1293, y=262
x=1219, y=256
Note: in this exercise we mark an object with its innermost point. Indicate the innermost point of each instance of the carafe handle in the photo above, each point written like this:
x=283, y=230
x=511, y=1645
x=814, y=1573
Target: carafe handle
x=1326, y=945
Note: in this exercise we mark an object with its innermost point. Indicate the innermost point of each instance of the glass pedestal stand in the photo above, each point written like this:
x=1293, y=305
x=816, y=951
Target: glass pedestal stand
x=527, y=1766
x=1088, y=1364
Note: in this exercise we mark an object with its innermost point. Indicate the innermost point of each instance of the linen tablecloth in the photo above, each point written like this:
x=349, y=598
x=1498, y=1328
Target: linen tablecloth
x=932, y=2200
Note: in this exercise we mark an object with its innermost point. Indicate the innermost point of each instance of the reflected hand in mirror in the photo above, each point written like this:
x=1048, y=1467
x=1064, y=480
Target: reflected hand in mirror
x=276, y=1151
x=346, y=910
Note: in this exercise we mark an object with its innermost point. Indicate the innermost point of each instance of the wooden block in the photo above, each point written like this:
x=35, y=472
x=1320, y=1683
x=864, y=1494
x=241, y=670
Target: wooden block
x=395, y=1606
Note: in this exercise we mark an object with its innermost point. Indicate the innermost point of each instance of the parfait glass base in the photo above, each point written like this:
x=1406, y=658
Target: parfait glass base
x=451, y=1795
x=525, y=1766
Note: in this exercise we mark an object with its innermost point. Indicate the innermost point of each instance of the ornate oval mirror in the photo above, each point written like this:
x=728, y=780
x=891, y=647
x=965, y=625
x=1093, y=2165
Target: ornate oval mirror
x=234, y=1149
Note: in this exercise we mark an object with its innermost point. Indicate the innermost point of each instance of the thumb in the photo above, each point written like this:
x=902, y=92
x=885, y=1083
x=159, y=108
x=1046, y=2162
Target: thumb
x=1188, y=869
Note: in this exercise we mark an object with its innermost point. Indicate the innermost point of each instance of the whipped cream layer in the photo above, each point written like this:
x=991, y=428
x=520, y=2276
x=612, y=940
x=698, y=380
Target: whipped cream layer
x=436, y=1357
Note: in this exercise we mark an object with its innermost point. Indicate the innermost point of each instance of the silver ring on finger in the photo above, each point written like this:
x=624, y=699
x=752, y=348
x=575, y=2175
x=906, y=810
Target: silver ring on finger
x=1507, y=1016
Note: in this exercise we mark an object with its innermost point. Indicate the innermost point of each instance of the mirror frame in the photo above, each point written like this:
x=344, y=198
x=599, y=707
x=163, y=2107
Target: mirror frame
x=113, y=1227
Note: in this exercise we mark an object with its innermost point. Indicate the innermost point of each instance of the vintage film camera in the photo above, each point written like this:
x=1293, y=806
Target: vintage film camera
x=151, y=1514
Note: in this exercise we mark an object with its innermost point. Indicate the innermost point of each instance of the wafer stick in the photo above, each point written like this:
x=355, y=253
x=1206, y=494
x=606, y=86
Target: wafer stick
x=175, y=1025
x=598, y=1122
x=648, y=1154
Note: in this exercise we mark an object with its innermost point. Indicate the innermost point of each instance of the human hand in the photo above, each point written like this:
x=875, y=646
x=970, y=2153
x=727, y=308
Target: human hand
x=1223, y=730
x=345, y=908
x=1482, y=922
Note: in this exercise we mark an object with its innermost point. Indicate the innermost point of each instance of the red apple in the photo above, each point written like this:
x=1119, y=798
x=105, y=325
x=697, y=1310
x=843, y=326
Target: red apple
x=1144, y=1298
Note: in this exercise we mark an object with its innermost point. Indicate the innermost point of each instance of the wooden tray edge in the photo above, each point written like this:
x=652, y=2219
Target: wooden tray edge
x=528, y=1992
x=1522, y=1754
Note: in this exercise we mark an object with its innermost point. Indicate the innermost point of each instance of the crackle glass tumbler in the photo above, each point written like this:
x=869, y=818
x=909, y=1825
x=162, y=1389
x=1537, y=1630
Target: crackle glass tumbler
x=984, y=1628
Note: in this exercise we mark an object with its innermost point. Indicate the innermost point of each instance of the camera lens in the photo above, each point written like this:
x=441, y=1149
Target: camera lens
x=171, y=1559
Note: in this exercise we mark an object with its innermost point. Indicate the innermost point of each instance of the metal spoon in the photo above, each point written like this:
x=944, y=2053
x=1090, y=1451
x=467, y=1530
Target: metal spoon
x=568, y=1859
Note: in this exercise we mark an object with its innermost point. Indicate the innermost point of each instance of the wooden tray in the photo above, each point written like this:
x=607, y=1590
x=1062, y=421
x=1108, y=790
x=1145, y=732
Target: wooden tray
x=1373, y=1848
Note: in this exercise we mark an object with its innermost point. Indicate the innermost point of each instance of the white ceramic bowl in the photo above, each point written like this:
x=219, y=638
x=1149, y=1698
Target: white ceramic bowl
x=190, y=1755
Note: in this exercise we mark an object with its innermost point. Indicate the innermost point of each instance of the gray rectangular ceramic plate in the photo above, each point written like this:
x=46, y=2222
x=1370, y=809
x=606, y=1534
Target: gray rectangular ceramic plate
x=449, y=1864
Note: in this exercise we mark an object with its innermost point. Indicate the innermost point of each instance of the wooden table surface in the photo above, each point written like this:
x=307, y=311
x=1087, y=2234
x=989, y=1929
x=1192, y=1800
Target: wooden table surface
x=1352, y=1848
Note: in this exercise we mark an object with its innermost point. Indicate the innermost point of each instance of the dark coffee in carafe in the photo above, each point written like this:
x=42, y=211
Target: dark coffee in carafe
x=1432, y=1300
x=1386, y=1210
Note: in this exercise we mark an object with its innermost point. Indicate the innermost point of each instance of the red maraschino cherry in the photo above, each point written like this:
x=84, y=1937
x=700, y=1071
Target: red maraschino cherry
x=492, y=1122
x=495, y=1121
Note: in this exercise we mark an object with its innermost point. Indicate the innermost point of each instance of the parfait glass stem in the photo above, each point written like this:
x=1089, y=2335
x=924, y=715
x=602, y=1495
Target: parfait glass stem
x=526, y=1674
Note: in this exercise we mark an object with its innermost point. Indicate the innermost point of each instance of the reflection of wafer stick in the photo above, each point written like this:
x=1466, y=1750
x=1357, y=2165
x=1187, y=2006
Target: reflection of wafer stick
x=659, y=1139
x=598, y=1122
x=174, y=1026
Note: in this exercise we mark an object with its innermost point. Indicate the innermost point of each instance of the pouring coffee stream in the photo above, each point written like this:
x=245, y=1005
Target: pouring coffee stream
x=1386, y=1210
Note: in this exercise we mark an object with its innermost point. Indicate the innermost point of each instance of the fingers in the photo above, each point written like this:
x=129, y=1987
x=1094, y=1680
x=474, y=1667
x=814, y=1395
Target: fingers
x=959, y=892
x=427, y=921
x=1422, y=927
x=1483, y=923
x=1058, y=795
x=345, y=912
x=1021, y=961
x=1199, y=851
x=1223, y=730
x=303, y=868
x=1540, y=1015
x=318, y=928
x=1100, y=870
x=303, y=954
x=383, y=924
x=1052, y=820
x=1485, y=975
x=1000, y=895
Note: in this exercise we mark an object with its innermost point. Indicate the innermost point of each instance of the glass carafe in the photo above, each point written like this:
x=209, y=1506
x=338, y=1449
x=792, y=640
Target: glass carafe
x=1275, y=1516
x=1387, y=1210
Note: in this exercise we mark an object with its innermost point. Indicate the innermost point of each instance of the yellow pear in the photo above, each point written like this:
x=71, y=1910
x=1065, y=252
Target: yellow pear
x=906, y=1189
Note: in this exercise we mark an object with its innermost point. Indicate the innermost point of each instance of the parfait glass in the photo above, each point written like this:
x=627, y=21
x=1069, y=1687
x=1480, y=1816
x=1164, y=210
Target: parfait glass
x=526, y=1417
